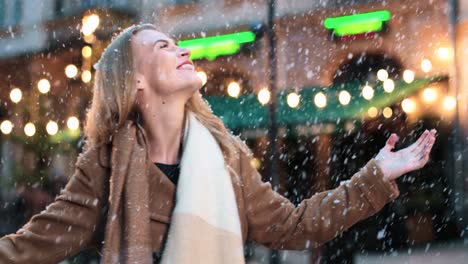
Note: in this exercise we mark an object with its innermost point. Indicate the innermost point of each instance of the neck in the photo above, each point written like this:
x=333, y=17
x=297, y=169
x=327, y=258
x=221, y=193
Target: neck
x=164, y=124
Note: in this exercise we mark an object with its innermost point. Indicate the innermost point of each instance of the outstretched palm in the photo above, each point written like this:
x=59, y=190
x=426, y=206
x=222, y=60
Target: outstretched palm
x=395, y=164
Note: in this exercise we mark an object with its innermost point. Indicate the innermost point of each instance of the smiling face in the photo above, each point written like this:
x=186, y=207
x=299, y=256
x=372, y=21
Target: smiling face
x=163, y=69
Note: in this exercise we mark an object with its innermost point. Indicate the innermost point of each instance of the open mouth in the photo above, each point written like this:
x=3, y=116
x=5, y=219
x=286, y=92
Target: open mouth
x=186, y=66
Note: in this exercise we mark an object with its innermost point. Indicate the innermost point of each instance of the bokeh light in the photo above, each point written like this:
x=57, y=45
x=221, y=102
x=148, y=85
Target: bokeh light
x=233, y=89
x=86, y=51
x=408, y=76
x=426, y=65
x=264, y=96
x=429, y=95
x=382, y=75
x=373, y=111
x=344, y=97
x=389, y=85
x=443, y=53
x=89, y=24
x=6, y=127
x=30, y=129
x=293, y=100
x=86, y=76
x=367, y=92
x=52, y=128
x=387, y=112
x=43, y=86
x=71, y=71
x=449, y=103
x=408, y=106
x=73, y=123
x=320, y=100
x=16, y=95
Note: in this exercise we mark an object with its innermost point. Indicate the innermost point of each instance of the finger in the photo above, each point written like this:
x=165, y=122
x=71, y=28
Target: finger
x=422, y=162
x=423, y=144
x=392, y=140
x=419, y=141
x=421, y=137
x=425, y=152
x=424, y=159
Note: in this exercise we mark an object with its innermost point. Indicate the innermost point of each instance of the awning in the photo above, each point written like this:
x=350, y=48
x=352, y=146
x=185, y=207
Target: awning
x=247, y=112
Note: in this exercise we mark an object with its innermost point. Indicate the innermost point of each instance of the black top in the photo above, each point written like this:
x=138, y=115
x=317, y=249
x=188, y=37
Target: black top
x=172, y=171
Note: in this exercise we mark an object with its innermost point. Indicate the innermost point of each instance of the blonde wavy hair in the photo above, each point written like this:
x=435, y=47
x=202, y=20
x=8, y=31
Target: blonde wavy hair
x=114, y=98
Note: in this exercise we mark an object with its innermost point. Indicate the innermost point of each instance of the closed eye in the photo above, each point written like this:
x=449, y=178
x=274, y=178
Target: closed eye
x=165, y=43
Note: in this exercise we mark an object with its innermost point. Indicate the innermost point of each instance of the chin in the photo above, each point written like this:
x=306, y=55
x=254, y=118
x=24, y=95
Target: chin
x=196, y=83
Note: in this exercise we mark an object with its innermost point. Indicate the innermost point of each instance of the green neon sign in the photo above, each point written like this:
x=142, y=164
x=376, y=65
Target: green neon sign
x=357, y=23
x=212, y=47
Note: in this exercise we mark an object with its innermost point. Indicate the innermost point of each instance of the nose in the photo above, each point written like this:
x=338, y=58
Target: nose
x=184, y=52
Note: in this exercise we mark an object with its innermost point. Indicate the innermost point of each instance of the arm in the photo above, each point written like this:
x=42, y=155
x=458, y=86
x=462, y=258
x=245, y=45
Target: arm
x=67, y=225
x=275, y=222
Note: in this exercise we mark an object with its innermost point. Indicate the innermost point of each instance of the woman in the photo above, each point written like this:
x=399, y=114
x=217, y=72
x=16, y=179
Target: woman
x=147, y=110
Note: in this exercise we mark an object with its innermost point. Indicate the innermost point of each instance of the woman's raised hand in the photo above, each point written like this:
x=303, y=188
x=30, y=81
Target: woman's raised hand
x=414, y=157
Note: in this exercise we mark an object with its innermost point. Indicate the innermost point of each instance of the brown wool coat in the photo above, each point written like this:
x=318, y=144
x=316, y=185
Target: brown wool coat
x=77, y=218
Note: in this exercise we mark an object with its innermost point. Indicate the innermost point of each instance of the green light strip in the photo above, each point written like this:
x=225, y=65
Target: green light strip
x=354, y=29
x=212, y=47
x=357, y=19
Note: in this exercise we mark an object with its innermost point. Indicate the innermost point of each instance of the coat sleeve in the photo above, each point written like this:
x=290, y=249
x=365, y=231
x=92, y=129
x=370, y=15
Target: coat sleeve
x=276, y=223
x=67, y=225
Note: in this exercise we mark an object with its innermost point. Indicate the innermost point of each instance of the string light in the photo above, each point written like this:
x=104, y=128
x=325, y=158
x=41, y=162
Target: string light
x=90, y=39
x=408, y=76
x=426, y=65
x=233, y=89
x=6, y=127
x=344, y=97
x=73, y=123
x=30, y=129
x=43, y=86
x=368, y=92
x=443, y=53
x=86, y=76
x=389, y=85
x=86, y=51
x=264, y=96
x=89, y=24
x=71, y=71
x=408, y=106
x=429, y=95
x=372, y=112
x=52, y=128
x=16, y=95
x=293, y=100
x=449, y=103
x=320, y=100
x=387, y=112
x=382, y=75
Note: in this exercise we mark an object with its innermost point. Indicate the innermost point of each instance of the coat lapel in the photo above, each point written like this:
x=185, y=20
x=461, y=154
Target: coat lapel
x=127, y=238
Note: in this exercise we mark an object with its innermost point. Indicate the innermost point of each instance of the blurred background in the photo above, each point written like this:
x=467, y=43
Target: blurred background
x=314, y=87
